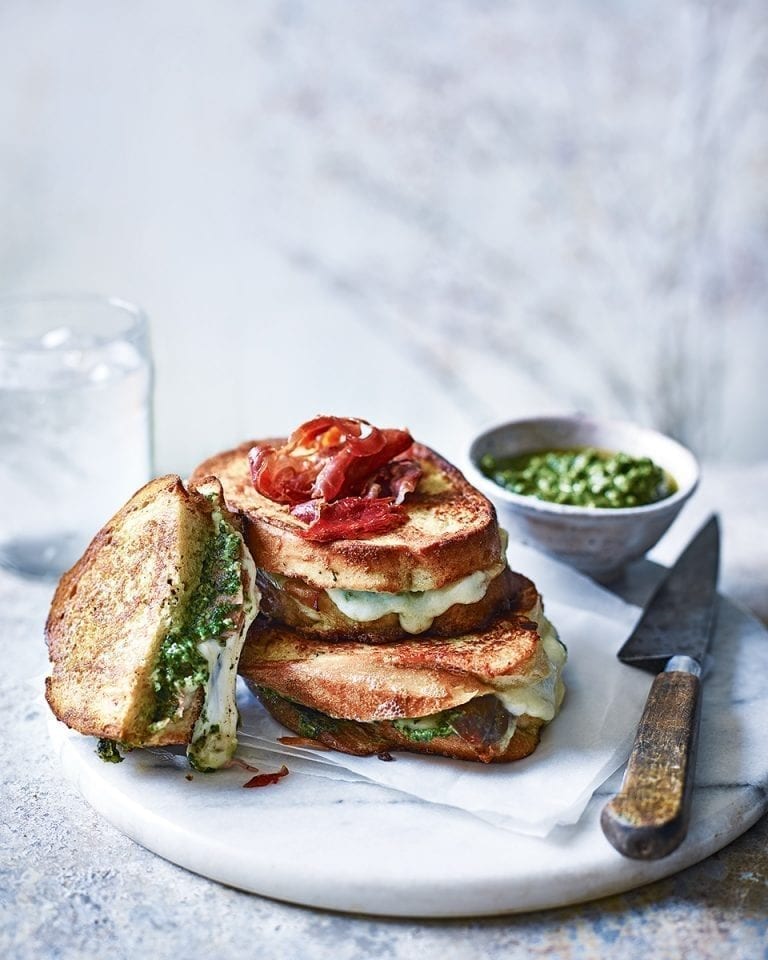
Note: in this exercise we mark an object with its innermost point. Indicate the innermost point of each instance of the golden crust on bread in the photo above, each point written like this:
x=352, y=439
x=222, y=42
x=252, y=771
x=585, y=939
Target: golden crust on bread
x=311, y=612
x=366, y=739
x=412, y=677
x=451, y=530
x=112, y=610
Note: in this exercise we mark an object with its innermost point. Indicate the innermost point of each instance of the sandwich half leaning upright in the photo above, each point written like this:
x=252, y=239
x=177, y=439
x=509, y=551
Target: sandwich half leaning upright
x=389, y=616
x=145, y=631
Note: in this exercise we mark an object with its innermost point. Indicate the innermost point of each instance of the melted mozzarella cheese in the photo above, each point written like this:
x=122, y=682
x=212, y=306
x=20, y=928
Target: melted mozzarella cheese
x=214, y=738
x=416, y=610
x=540, y=699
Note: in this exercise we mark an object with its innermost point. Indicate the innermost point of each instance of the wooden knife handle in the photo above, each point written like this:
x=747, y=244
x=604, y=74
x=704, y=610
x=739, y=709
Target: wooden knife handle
x=648, y=818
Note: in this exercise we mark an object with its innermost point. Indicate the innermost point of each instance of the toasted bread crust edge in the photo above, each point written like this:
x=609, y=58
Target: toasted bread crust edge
x=367, y=739
x=71, y=686
x=507, y=591
x=403, y=678
x=409, y=560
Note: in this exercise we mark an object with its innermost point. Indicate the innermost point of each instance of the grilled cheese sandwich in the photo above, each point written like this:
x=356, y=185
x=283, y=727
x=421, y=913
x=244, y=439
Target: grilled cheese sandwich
x=418, y=638
x=145, y=631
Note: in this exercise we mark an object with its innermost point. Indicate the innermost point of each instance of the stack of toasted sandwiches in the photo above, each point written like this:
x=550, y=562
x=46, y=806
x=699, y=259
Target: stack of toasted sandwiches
x=388, y=618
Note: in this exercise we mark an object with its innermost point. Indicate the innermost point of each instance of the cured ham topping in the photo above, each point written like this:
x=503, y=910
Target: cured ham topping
x=351, y=518
x=327, y=458
x=395, y=479
x=305, y=594
x=341, y=476
x=266, y=779
x=481, y=722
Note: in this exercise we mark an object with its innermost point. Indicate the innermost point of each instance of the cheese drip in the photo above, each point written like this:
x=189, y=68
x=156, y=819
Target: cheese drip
x=543, y=698
x=214, y=738
x=415, y=610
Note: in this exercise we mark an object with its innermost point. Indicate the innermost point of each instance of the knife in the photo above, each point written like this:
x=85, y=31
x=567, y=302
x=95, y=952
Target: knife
x=648, y=818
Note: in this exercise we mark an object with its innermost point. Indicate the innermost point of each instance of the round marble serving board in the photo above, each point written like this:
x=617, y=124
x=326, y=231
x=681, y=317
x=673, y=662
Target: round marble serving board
x=357, y=847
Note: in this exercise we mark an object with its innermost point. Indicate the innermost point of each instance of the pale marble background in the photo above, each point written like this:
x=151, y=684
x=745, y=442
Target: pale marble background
x=432, y=213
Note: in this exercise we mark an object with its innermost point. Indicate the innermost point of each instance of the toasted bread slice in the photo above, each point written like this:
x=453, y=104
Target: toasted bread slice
x=487, y=734
x=113, y=611
x=408, y=678
x=451, y=530
x=312, y=613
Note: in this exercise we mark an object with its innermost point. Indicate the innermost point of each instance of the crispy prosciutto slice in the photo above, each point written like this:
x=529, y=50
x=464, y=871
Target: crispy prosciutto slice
x=326, y=458
x=351, y=518
x=266, y=779
x=395, y=479
x=341, y=476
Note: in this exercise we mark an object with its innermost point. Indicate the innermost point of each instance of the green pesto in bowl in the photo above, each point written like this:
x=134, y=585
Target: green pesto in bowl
x=581, y=477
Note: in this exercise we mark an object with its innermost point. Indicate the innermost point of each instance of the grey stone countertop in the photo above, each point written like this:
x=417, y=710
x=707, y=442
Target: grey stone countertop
x=71, y=886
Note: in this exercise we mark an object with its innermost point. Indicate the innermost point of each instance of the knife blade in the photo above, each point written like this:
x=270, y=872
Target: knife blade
x=648, y=818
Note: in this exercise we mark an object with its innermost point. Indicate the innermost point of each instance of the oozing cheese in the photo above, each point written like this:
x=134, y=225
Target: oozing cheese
x=214, y=738
x=540, y=699
x=416, y=610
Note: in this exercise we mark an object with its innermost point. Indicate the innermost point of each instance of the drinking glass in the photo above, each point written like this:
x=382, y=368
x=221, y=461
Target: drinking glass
x=75, y=423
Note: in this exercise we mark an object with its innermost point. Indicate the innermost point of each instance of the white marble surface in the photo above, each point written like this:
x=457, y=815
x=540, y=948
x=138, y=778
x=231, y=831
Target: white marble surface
x=359, y=847
x=72, y=887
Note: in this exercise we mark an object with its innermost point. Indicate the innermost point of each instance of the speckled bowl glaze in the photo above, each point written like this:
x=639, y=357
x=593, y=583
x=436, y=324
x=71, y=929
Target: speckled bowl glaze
x=598, y=541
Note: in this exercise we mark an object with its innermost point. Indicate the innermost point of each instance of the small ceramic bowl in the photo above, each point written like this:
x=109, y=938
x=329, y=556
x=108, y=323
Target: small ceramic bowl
x=598, y=541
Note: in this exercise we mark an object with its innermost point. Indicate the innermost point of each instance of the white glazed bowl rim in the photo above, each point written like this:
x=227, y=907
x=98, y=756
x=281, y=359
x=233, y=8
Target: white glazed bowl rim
x=649, y=438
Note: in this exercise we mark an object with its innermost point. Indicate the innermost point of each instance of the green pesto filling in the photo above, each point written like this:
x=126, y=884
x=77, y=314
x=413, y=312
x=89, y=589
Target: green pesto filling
x=108, y=751
x=424, y=729
x=311, y=723
x=180, y=665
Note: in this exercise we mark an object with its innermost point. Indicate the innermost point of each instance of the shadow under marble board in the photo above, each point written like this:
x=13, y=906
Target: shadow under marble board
x=352, y=845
